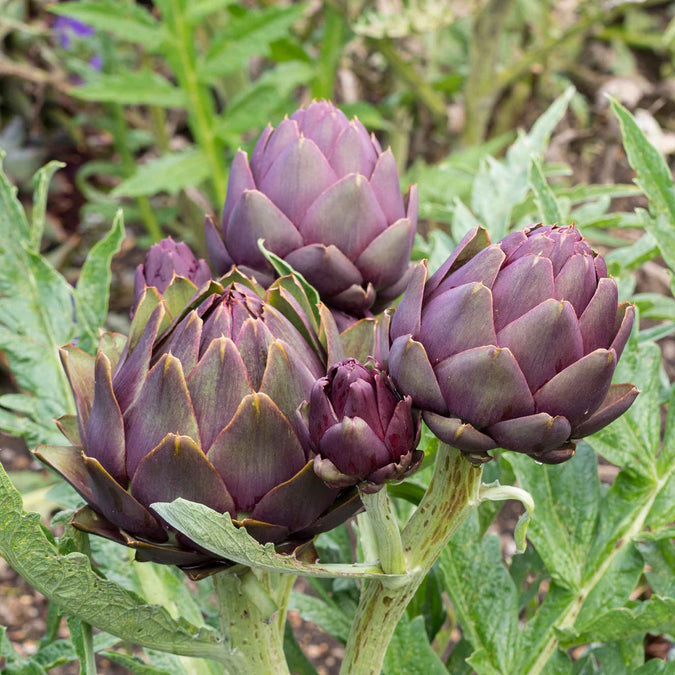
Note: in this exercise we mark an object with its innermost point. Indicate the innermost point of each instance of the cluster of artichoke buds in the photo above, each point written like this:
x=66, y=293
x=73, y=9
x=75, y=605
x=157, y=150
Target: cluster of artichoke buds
x=514, y=344
x=325, y=197
x=203, y=410
x=241, y=398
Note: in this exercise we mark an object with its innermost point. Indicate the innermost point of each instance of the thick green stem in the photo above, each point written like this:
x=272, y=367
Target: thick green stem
x=255, y=642
x=385, y=529
x=89, y=654
x=452, y=495
x=201, y=109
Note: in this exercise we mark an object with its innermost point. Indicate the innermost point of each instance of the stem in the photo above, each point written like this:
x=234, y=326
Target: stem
x=256, y=644
x=385, y=528
x=89, y=654
x=201, y=110
x=451, y=496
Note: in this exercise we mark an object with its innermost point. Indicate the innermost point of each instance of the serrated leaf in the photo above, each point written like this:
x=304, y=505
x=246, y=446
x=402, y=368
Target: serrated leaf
x=549, y=209
x=70, y=582
x=483, y=596
x=246, y=36
x=93, y=286
x=126, y=20
x=132, y=88
x=567, y=499
x=656, y=615
x=169, y=173
x=409, y=652
x=218, y=534
x=36, y=309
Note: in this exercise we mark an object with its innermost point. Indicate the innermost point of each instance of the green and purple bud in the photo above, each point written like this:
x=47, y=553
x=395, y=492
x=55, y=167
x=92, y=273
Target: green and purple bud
x=325, y=197
x=201, y=407
x=360, y=429
x=514, y=344
x=165, y=261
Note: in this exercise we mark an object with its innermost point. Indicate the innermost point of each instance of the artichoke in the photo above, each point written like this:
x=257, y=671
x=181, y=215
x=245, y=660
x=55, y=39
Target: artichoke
x=325, y=198
x=360, y=429
x=514, y=344
x=204, y=409
x=166, y=260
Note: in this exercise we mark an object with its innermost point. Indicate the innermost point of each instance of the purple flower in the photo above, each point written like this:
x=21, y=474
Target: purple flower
x=361, y=430
x=325, y=197
x=514, y=344
x=66, y=29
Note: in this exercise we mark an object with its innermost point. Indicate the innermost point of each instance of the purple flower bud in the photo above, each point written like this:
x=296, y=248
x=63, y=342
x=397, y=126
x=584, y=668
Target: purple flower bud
x=166, y=260
x=361, y=429
x=514, y=344
x=325, y=197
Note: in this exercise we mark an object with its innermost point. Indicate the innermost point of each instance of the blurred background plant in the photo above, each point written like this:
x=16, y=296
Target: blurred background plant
x=146, y=104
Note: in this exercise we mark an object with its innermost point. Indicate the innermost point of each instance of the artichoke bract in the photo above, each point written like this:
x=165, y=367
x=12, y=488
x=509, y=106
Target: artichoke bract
x=325, y=197
x=165, y=261
x=514, y=344
x=360, y=429
x=203, y=409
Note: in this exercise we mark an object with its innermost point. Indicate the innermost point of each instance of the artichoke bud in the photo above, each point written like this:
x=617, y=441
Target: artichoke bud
x=323, y=196
x=360, y=429
x=200, y=407
x=174, y=270
x=514, y=344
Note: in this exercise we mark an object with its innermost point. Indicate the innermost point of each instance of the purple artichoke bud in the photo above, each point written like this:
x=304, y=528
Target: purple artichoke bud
x=322, y=194
x=514, y=344
x=361, y=430
x=204, y=410
x=166, y=260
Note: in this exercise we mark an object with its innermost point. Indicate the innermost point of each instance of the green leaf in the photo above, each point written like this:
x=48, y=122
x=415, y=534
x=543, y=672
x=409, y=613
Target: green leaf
x=93, y=286
x=36, y=309
x=298, y=663
x=484, y=598
x=656, y=615
x=334, y=29
x=138, y=88
x=327, y=616
x=246, y=36
x=217, y=533
x=133, y=664
x=169, y=173
x=264, y=99
x=126, y=20
x=567, y=499
x=41, y=182
x=409, y=652
x=70, y=582
x=549, y=209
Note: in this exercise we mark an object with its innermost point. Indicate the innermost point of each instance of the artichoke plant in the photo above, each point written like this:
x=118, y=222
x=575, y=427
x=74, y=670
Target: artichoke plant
x=514, y=344
x=325, y=197
x=360, y=429
x=165, y=261
x=203, y=409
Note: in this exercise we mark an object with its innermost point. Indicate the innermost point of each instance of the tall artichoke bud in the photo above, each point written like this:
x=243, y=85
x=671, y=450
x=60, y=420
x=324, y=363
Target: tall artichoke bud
x=165, y=261
x=325, y=197
x=204, y=410
x=514, y=344
x=361, y=429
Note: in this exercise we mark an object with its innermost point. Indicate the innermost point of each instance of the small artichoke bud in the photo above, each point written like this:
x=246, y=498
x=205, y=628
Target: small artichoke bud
x=361, y=429
x=514, y=344
x=166, y=260
x=326, y=198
